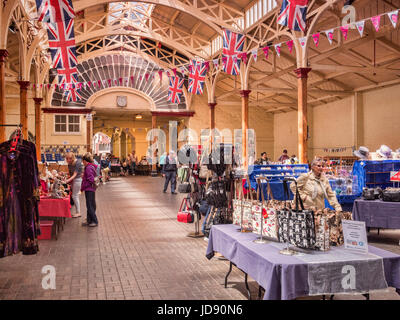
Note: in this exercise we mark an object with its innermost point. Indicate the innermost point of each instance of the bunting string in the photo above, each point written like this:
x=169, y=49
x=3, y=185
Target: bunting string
x=231, y=58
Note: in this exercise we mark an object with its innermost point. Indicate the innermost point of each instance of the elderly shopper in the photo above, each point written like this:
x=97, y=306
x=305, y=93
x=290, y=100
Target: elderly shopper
x=88, y=186
x=314, y=188
x=75, y=169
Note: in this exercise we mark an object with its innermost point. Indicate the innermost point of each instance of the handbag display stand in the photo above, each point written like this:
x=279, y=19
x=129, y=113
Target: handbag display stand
x=261, y=239
x=197, y=233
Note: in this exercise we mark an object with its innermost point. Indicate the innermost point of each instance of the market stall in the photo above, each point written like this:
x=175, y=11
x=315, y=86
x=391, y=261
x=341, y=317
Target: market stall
x=288, y=277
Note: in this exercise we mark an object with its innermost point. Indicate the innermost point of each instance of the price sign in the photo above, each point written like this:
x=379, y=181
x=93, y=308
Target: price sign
x=89, y=117
x=395, y=176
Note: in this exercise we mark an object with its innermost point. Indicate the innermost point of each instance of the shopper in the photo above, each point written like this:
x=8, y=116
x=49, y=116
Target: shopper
x=284, y=156
x=133, y=162
x=169, y=171
x=314, y=188
x=104, y=167
x=75, y=169
x=263, y=160
x=88, y=186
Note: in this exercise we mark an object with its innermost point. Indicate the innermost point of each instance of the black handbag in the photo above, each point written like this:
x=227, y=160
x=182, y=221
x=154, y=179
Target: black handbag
x=391, y=195
x=372, y=193
x=185, y=188
x=296, y=226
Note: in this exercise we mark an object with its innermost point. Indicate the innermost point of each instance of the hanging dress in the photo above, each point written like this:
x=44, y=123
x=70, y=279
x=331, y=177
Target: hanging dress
x=19, y=196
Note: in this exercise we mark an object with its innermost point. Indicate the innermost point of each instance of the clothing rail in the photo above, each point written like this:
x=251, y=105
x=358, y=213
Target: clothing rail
x=11, y=125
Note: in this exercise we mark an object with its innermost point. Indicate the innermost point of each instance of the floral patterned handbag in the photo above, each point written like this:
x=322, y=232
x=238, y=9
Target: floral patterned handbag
x=268, y=213
x=237, y=205
x=247, y=204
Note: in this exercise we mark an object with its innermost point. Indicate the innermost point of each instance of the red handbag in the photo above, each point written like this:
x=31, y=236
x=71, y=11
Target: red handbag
x=185, y=215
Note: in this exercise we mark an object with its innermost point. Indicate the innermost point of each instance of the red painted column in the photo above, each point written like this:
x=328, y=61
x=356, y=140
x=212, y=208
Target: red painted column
x=3, y=56
x=302, y=75
x=38, y=104
x=245, y=124
x=212, y=122
x=23, y=107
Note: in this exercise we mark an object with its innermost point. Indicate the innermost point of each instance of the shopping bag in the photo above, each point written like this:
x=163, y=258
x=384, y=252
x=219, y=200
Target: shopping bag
x=185, y=214
x=296, y=226
x=322, y=231
x=267, y=213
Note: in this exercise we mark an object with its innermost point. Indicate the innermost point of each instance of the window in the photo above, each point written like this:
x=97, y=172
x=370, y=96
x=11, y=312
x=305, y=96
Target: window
x=67, y=123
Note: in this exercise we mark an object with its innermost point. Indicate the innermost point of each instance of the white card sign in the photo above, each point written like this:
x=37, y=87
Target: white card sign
x=89, y=117
x=355, y=236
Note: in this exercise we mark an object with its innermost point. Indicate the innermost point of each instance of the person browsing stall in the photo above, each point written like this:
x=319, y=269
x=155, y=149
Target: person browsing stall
x=314, y=188
x=75, y=169
x=88, y=186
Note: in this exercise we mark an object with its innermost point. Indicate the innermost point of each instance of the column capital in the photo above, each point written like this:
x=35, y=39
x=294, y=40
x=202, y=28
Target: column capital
x=23, y=84
x=212, y=105
x=302, y=73
x=3, y=55
x=245, y=93
x=38, y=100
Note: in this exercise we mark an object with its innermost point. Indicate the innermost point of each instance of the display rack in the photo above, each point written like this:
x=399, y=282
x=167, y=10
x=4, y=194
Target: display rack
x=372, y=174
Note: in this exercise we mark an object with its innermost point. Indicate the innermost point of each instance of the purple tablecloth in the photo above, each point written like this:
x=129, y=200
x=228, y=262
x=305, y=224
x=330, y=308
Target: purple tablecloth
x=282, y=277
x=377, y=214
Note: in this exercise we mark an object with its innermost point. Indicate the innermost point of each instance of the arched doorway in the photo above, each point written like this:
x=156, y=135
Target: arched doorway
x=101, y=143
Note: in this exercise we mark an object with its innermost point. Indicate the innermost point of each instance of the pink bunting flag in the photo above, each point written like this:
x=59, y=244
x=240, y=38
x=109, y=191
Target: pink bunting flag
x=89, y=83
x=394, y=17
x=99, y=83
x=109, y=83
x=329, y=35
x=376, y=21
x=278, y=49
x=140, y=78
x=80, y=86
x=41, y=85
x=224, y=59
x=303, y=42
x=316, y=39
x=120, y=81
x=146, y=76
x=48, y=86
x=182, y=69
x=34, y=86
x=290, y=44
x=266, y=52
x=255, y=54
x=244, y=57
x=174, y=71
x=345, y=31
x=160, y=72
x=216, y=63
x=168, y=74
x=207, y=64
x=360, y=25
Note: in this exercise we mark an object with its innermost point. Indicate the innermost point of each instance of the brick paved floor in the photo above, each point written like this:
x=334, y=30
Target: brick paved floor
x=139, y=251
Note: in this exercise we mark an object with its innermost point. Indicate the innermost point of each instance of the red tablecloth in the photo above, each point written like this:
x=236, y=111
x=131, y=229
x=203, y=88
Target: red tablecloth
x=54, y=207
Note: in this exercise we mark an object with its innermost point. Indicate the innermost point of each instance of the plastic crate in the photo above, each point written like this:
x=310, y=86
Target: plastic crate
x=46, y=228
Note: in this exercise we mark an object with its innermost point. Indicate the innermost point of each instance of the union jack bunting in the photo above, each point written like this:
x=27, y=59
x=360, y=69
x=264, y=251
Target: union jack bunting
x=293, y=14
x=232, y=48
x=73, y=95
x=62, y=44
x=197, y=77
x=55, y=10
x=175, y=89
